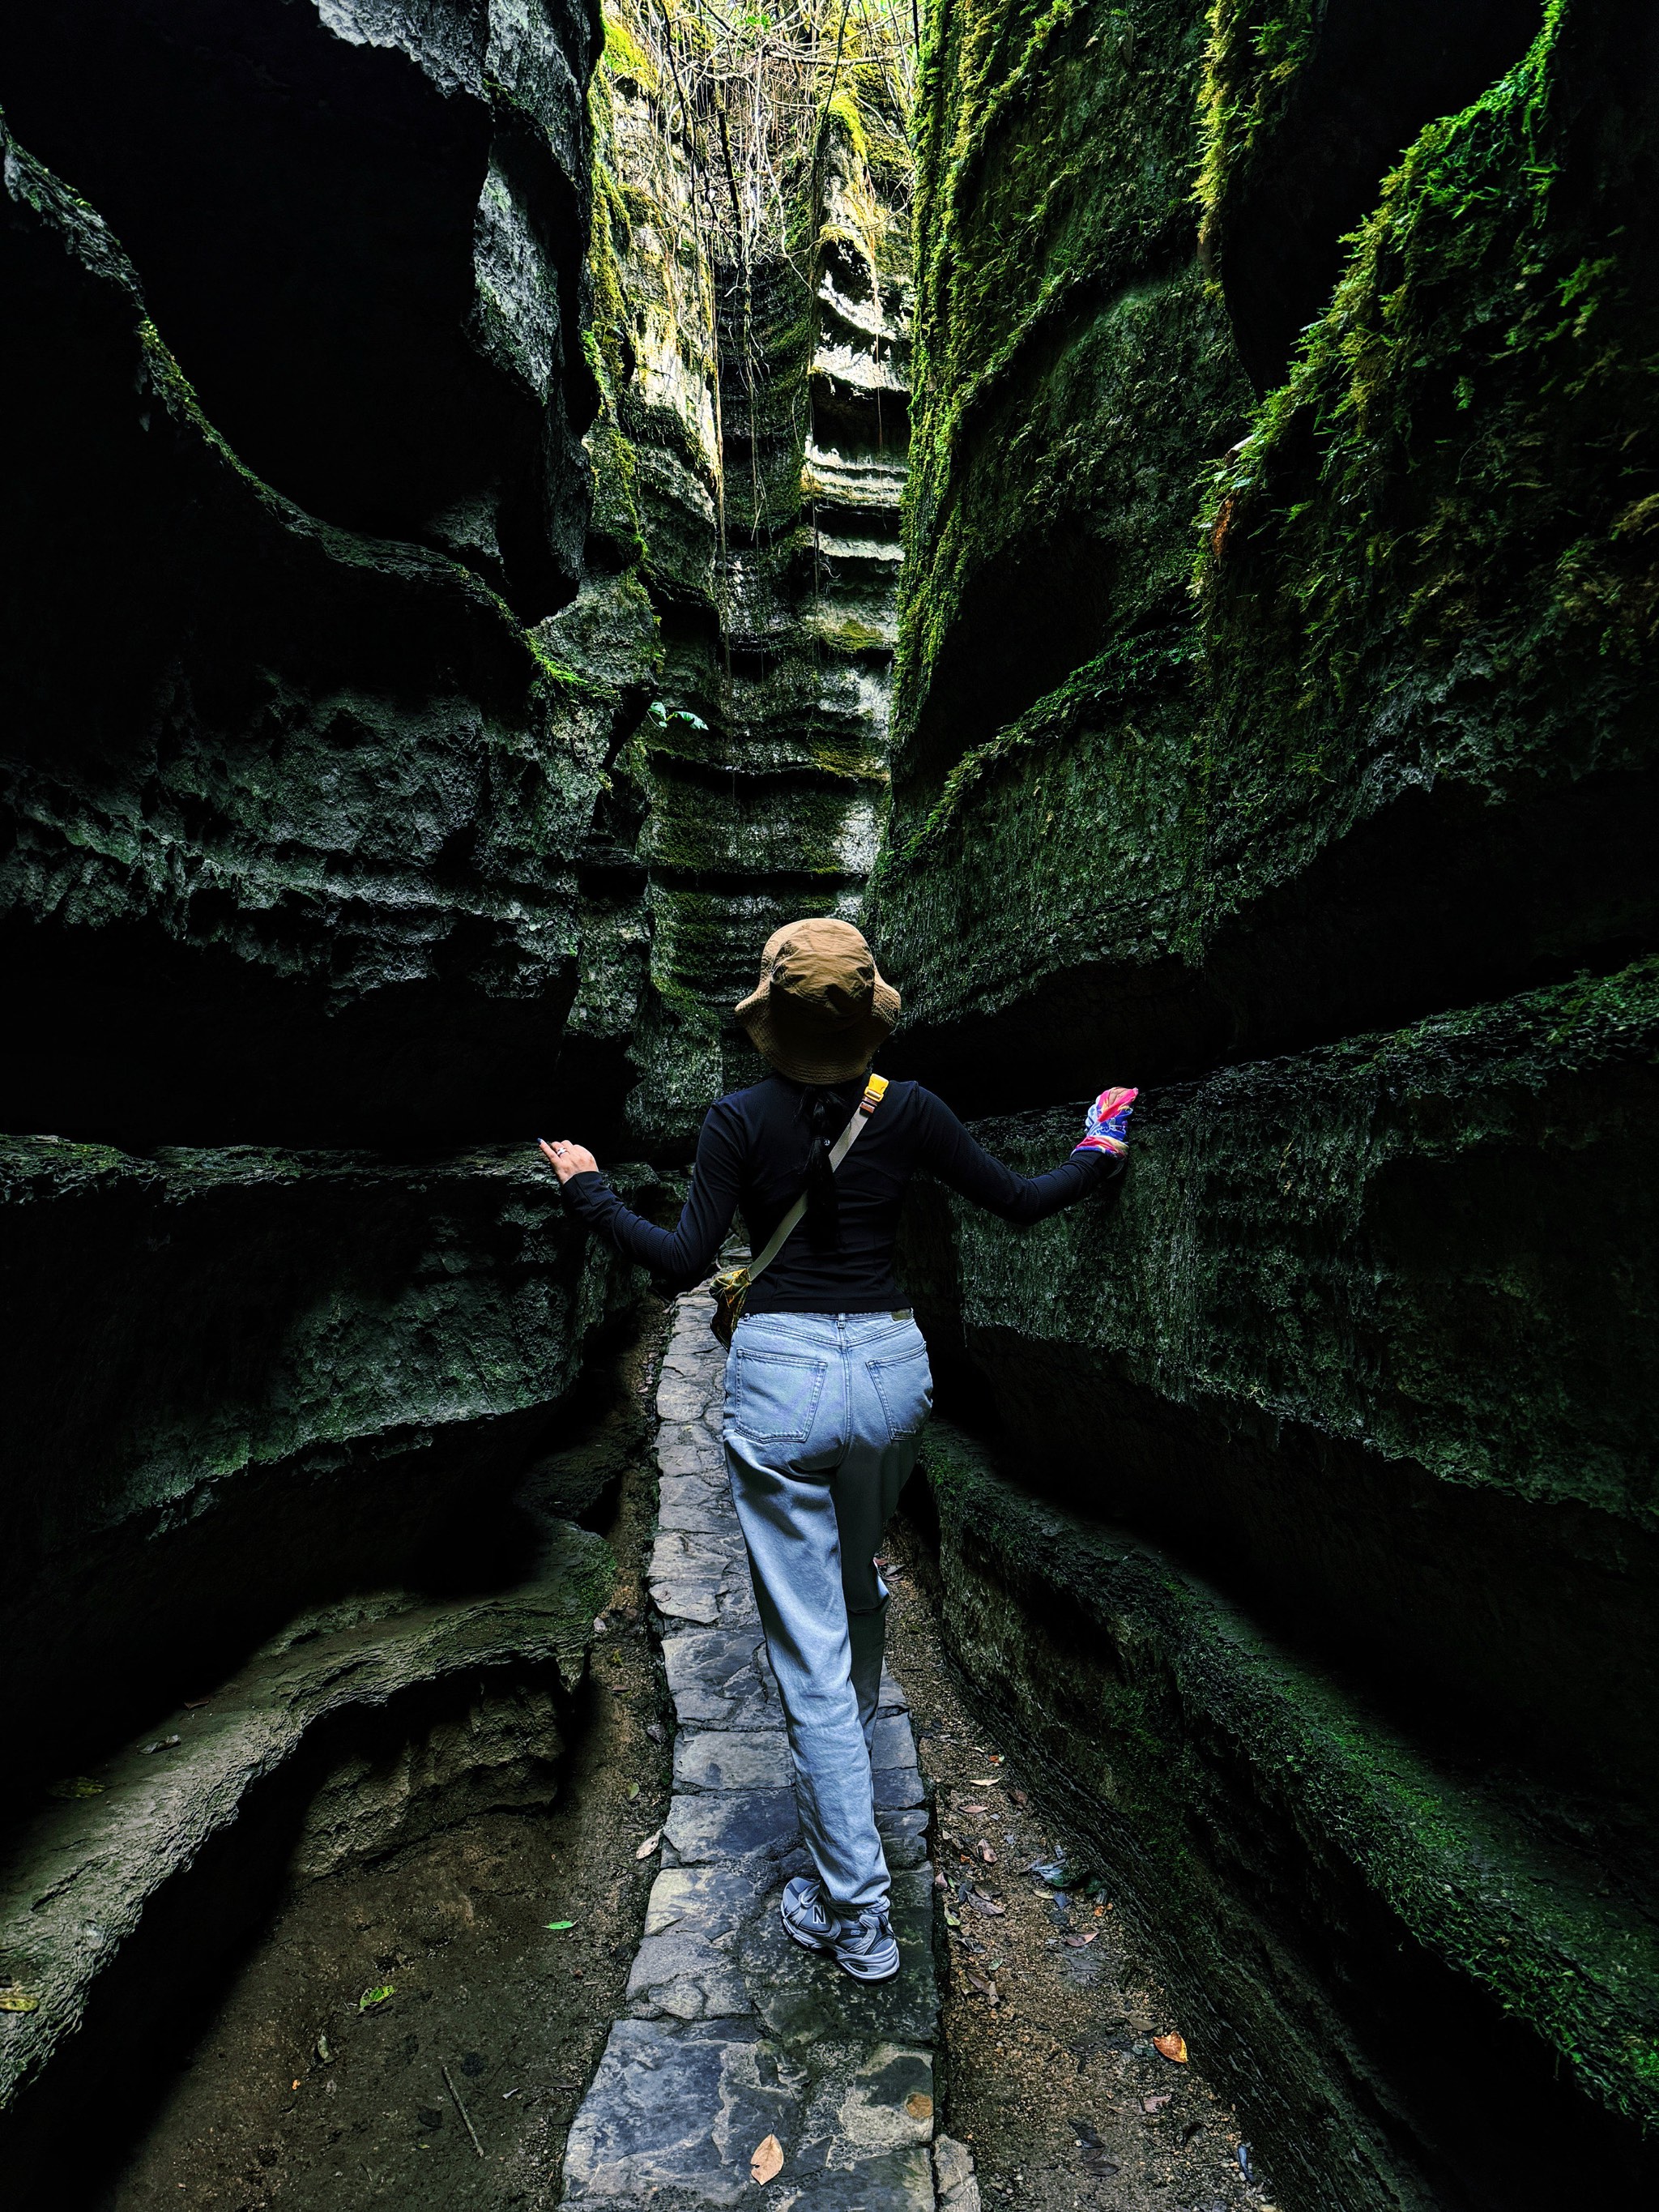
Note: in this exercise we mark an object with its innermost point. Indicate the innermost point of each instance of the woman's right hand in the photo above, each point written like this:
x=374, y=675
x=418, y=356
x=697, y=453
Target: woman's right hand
x=566, y=1159
x=1107, y=1129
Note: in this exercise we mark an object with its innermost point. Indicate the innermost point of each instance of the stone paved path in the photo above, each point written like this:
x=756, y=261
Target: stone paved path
x=732, y=2033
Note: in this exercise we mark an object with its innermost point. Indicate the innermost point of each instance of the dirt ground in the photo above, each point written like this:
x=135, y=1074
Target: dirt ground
x=1054, y=2078
x=298, y=2096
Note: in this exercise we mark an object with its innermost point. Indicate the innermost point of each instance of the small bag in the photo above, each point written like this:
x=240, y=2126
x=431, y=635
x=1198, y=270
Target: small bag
x=731, y=1287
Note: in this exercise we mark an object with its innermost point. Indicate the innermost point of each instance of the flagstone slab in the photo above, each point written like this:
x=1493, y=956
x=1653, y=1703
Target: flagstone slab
x=733, y=2032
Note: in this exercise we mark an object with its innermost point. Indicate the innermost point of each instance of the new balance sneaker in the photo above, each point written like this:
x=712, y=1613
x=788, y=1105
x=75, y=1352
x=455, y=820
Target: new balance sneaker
x=864, y=1948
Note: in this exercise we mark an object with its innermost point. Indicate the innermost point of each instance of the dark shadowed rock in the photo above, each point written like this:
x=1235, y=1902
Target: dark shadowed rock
x=294, y=813
x=241, y=1382
x=361, y=227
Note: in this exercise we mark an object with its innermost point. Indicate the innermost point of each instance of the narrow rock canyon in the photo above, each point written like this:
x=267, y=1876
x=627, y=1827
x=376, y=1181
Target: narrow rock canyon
x=1153, y=511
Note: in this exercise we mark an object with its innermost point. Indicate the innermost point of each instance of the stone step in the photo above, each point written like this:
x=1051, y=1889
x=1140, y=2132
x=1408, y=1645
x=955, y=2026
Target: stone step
x=732, y=2033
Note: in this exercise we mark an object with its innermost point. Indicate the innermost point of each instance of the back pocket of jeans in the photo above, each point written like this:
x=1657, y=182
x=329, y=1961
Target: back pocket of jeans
x=905, y=1387
x=774, y=1396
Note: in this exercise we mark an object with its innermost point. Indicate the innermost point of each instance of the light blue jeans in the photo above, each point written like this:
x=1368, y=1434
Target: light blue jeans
x=824, y=1416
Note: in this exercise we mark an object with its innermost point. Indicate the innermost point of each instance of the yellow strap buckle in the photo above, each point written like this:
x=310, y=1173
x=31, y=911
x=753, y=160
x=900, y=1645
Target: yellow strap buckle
x=874, y=1092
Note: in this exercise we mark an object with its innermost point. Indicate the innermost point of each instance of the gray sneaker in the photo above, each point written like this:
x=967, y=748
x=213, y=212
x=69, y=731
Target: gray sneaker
x=865, y=1947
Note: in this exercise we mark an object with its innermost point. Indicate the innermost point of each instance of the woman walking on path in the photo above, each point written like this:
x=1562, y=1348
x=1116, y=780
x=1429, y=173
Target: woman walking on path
x=827, y=1382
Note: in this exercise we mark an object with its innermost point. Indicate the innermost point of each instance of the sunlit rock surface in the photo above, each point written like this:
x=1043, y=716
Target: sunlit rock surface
x=749, y=463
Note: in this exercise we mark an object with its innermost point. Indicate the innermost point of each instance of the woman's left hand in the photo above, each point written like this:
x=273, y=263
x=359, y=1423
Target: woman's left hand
x=566, y=1159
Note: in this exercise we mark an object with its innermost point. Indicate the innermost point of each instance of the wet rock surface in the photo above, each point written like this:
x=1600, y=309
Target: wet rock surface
x=734, y=2034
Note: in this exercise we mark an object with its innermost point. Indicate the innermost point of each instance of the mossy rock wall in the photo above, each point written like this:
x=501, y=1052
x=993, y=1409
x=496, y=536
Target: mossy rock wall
x=245, y=1381
x=1365, y=728
x=1348, y=1337
x=1273, y=729
x=1420, y=2000
x=749, y=461
x=313, y=853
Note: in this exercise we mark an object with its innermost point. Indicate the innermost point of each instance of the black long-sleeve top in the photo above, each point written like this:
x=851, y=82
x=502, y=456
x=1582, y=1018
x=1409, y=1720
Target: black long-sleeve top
x=752, y=1158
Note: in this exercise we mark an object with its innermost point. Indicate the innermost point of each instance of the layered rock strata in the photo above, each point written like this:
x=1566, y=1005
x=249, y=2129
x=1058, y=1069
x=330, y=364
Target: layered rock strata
x=1396, y=754
x=732, y=2034
x=750, y=459
x=1398, y=1971
x=296, y=814
x=362, y=224
x=1369, y=1332
x=1331, y=822
x=243, y=1380
x=306, y=841
x=356, y=1731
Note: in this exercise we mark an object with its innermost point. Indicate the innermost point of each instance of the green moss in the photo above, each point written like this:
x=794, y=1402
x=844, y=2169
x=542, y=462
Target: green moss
x=1134, y=671
x=1188, y=1729
x=1257, y=49
x=842, y=109
x=1441, y=523
x=627, y=59
x=1268, y=1251
x=1432, y=564
x=1067, y=369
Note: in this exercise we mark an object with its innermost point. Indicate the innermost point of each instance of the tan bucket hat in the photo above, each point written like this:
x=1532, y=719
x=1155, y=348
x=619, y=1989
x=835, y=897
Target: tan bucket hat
x=821, y=1010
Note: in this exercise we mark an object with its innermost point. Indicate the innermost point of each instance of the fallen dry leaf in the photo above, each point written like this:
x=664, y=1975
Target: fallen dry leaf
x=645, y=1851
x=919, y=2106
x=983, y=1781
x=986, y=1853
x=1018, y=1796
x=1155, y=2104
x=975, y=1808
x=767, y=2162
x=1171, y=2046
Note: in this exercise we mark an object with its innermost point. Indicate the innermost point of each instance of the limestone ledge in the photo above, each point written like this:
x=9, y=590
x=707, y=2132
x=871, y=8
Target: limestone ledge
x=770, y=552
x=314, y=802
x=1336, y=1913
x=361, y=225
x=1348, y=1333
x=246, y=1379
x=81, y=1878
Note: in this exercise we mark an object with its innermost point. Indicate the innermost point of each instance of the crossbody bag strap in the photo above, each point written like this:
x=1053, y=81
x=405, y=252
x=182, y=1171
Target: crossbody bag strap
x=875, y=1090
